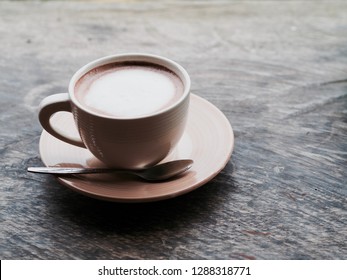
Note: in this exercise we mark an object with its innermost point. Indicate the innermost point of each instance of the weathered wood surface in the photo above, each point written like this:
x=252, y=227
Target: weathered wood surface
x=277, y=70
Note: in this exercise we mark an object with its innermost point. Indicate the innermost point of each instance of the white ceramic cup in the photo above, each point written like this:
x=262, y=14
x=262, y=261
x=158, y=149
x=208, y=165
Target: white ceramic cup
x=121, y=142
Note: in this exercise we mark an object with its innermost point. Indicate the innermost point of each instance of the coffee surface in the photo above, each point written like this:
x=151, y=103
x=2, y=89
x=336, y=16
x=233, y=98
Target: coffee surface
x=128, y=90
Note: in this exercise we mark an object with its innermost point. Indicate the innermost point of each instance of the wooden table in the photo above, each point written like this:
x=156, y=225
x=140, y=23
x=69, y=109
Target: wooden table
x=277, y=70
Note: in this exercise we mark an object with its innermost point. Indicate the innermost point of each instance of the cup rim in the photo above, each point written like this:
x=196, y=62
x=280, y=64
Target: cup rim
x=141, y=57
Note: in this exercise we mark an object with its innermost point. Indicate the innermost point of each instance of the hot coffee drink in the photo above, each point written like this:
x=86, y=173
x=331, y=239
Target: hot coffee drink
x=130, y=110
x=128, y=90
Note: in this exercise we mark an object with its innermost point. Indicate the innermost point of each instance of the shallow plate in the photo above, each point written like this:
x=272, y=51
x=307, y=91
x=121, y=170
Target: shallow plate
x=208, y=140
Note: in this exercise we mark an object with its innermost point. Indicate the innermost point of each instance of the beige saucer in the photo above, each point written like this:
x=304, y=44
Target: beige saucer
x=208, y=140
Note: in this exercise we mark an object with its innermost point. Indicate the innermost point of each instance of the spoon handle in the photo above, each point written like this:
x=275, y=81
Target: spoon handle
x=71, y=170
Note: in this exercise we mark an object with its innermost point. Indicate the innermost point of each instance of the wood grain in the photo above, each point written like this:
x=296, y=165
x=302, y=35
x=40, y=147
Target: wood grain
x=276, y=69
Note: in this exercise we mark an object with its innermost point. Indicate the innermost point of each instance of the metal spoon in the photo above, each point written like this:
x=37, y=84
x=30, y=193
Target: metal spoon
x=158, y=172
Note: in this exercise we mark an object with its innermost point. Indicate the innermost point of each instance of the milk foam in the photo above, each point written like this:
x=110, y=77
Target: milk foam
x=130, y=91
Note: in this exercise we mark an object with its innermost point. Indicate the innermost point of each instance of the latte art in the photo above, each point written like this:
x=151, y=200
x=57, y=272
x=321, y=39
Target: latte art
x=130, y=90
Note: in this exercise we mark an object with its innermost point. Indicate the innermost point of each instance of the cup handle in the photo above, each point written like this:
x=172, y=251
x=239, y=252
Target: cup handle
x=51, y=105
